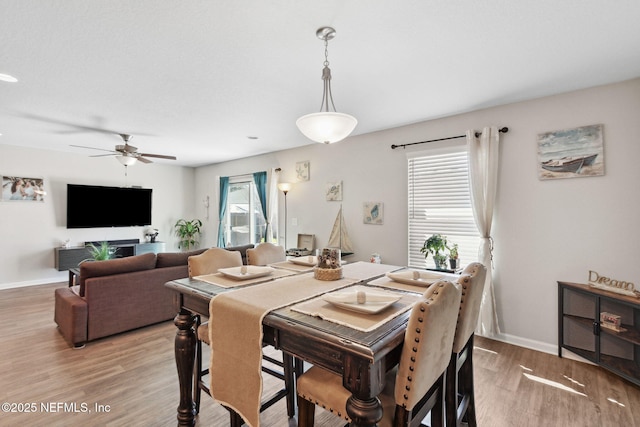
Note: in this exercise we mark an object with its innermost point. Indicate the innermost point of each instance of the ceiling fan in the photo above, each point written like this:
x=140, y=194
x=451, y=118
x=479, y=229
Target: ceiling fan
x=127, y=154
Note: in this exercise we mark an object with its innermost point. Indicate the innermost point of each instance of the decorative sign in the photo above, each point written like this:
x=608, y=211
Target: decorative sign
x=613, y=285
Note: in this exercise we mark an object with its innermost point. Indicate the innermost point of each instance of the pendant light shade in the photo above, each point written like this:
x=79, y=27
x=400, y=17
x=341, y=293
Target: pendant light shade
x=326, y=126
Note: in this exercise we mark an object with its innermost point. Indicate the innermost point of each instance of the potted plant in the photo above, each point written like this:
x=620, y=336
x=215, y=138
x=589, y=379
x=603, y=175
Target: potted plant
x=188, y=233
x=453, y=256
x=436, y=245
x=101, y=253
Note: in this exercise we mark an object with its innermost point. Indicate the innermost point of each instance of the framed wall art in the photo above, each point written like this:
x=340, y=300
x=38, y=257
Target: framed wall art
x=21, y=189
x=302, y=171
x=334, y=191
x=571, y=153
x=373, y=213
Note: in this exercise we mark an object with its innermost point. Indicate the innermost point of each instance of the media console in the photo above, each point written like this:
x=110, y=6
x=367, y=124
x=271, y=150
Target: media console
x=66, y=258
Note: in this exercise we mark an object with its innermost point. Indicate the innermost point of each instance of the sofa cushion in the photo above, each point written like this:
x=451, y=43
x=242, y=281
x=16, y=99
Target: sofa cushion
x=171, y=259
x=115, y=266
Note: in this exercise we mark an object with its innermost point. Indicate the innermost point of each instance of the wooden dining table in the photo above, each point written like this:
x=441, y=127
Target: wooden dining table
x=361, y=358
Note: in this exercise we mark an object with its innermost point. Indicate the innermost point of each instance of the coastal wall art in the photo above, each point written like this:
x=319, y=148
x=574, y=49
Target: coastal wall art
x=571, y=153
x=333, y=191
x=373, y=213
x=302, y=171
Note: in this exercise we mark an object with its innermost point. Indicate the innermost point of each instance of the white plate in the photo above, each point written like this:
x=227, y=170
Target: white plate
x=309, y=261
x=375, y=302
x=251, y=272
x=413, y=277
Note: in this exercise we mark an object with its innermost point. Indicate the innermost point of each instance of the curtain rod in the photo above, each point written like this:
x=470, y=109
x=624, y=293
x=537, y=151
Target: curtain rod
x=394, y=146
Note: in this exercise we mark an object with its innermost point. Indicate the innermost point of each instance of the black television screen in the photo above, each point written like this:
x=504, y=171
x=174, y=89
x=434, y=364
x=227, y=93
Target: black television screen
x=91, y=206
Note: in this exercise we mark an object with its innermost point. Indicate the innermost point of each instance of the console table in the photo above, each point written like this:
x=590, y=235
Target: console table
x=581, y=332
x=66, y=258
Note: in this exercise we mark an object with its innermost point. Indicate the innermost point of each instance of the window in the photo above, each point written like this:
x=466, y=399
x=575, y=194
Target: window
x=244, y=222
x=440, y=202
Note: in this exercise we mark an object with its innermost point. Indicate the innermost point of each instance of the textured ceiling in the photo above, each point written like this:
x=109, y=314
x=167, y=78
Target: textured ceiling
x=194, y=79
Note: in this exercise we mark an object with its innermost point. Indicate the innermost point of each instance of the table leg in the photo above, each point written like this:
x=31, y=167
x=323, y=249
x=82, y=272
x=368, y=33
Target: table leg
x=365, y=381
x=185, y=351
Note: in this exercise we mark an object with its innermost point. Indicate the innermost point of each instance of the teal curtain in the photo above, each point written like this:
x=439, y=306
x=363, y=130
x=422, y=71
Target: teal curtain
x=224, y=194
x=260, y=179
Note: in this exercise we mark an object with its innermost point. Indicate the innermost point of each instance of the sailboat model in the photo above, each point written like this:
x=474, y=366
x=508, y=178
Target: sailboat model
x=339, y=237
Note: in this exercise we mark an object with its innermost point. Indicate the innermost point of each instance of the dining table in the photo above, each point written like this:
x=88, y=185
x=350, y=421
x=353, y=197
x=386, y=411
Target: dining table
x=359, y=346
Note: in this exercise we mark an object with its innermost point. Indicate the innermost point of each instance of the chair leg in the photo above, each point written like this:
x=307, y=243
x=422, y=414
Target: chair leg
x=437, y=412
x=466, y=386
x=289, y=383
x=306, y=412
x=459, y=394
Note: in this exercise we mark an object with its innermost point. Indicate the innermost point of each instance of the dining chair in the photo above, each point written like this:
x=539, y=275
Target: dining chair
x=459, y=396
x=415, y=386
x=265, y=253
x=210, y=262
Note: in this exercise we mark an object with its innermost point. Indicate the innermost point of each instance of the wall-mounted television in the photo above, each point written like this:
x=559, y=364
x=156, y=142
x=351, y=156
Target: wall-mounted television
x=90, y=206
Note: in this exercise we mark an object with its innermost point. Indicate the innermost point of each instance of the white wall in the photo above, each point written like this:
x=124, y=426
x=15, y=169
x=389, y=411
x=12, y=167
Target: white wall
x=544, y=231
x=31, y=230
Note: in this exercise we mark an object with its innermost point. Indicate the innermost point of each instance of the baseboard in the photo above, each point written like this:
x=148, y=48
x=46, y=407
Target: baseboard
x=62, y=278
x=527, y=343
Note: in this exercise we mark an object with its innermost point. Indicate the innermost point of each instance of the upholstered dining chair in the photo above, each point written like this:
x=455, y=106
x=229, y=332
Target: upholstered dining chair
x=210, y=262
x=459, y=395
x=413, y=388
x=265, y=253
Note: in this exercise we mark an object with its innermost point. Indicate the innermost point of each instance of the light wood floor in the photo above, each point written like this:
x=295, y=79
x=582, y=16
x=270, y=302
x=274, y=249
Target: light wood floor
x=133, y=377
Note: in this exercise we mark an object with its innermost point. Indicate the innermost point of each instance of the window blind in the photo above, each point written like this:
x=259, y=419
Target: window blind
x=440, y=202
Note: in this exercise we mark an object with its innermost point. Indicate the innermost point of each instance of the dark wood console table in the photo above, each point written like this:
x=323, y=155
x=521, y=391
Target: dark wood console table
x=581, y=332
x=66, y=258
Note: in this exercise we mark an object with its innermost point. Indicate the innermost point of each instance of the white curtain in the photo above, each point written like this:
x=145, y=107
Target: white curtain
x=483, y=180
x=272, y=206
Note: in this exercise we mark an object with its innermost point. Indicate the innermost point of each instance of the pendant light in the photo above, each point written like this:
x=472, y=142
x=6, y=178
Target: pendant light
x=326, y=126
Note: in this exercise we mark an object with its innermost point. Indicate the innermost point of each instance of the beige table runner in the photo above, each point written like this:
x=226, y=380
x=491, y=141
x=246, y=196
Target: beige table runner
x=235, y=331
x=223, y=281
x=361, y=321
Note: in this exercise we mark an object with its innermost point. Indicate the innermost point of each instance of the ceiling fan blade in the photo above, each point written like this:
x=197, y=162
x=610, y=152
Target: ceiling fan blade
x=143, y=160
x=159, y=156
x=104, y=155
x=91, y=148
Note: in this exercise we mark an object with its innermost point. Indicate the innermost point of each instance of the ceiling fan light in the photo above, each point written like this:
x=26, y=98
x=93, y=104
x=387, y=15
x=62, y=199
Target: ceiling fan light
x=126, y=160
x=326, y=127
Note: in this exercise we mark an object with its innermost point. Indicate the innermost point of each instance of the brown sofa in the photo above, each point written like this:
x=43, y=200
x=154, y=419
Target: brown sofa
x=121, y=294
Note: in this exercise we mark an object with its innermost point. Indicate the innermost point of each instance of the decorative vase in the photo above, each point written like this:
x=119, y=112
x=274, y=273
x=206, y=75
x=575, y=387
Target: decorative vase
x=454, y=262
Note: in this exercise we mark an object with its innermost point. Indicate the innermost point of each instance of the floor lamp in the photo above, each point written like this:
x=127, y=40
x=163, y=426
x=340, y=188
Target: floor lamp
x=285, y=187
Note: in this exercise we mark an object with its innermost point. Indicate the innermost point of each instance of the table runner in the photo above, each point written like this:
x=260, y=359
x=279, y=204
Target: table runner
x=363, y=322
x=235, y=331
x=223, y=281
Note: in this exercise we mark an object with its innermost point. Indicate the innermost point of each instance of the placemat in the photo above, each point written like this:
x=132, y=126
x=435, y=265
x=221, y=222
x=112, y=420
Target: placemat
x=223, y=281
x=318, y=307
x=386, y=282
x=293, y=267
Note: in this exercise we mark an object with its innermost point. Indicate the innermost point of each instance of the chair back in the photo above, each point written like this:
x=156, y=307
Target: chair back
x=472, y=284
x=265, y=253
x=427, y=343
x=211, y=260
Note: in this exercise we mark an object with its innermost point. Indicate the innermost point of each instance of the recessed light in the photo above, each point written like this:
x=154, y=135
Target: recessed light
x=8, y=78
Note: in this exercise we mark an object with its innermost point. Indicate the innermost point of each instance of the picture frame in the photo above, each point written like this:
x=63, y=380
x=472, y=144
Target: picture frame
x=333, y=191
x=22, y=189
x=373, y=213
x=571, y=153
x=302, y=170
